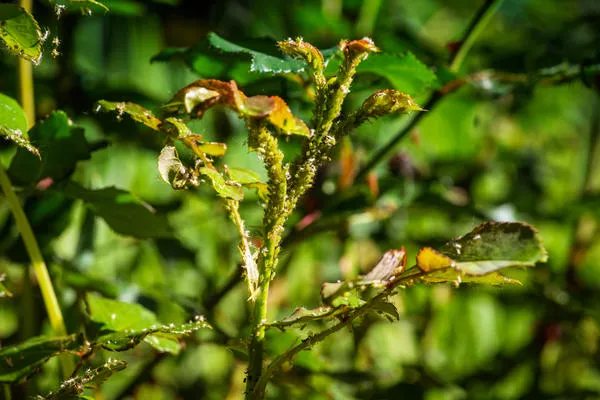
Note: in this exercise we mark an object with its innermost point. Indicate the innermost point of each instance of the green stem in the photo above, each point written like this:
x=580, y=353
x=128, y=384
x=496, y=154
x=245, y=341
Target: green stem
x=481, y=19
x=367, y=17
x=274, y=219
x=25, y=70
x=39, y=267
x=55, y=316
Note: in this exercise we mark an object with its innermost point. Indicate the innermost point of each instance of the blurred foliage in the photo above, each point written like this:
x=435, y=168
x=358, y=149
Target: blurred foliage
x=513, y=136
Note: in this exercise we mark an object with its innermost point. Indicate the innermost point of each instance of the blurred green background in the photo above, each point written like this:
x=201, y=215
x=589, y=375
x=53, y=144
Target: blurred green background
x=516, y=141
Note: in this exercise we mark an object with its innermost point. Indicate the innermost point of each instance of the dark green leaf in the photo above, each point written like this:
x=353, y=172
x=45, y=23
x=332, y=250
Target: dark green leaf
x=224, y=189
x=260, y=62
x=122, y=211
x=405, y=72
x=20, y=32
x=91, y=379
x=386, y=308
x=17, y=362
x=51, y=136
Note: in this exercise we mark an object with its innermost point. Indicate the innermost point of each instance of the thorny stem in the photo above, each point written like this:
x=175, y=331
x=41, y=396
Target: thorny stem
x=479, y=22
x=311, y=340
x=232, y=208
x=274, y=218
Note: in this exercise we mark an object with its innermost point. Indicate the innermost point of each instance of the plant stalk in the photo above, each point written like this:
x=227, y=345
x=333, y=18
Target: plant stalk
x=26, y=95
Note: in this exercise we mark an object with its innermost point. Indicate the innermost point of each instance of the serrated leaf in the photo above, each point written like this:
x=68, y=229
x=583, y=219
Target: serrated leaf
x=135, y=111
x=122, y=211
x=173, y=171
x=224, y=189
x=91, y=379
x=131, y=324
x=20, y=32
x=260, y=62
x=24, y=359
x=405, y=72
x=485, y=250
x=51, y=136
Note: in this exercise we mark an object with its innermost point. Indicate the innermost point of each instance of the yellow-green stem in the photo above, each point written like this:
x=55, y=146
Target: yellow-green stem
x=55, y=316
x=39, y=267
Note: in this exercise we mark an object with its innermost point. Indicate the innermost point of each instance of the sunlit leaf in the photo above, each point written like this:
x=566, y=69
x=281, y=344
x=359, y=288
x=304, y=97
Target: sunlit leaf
x=135, y=111
x=131, y=324
x=122, y=211
x=488, y=248
x=24, y=359
x=224, y=189
x=90, y=379
x=20, y=32
x=386, y=102
x=13, y=124
x=51, y=136
x=284, y=121
x=405, y=72
x=214, y=149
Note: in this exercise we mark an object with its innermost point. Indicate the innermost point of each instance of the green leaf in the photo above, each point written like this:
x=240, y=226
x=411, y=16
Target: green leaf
x=13, y=124
x=224, y=189
x=122, y=211
x=488, y=248
x=83, y=5
x=135, y=111
x=260, y=62
x=405, y=72
x=20, y=32
x=22, y=360
x=131, y=324
x=91, y=379
x=249, y=179
x=51, y=136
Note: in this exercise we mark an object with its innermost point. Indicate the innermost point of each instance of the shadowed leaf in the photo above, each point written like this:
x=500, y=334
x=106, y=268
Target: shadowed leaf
x=17, y=362
x=135, y=111
x=122, y=211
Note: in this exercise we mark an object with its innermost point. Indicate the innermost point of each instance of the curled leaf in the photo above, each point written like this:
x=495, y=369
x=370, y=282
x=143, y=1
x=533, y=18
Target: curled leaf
x=356, y=51
x=311, y=55
x=173, y=171
x=201, y=95
x=385, y=102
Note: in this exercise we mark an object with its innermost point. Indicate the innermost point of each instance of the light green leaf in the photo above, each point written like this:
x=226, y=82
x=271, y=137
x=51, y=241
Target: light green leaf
x=244, y=176
x=135, y=111
x=405, y=72
x=224, y=189
x=24, y=359
x=13, y=124
x=132, y=324
x=122, y=211
x=90, y=379
x=20, y=32
x=261, y=62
